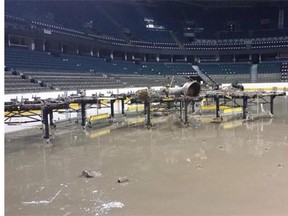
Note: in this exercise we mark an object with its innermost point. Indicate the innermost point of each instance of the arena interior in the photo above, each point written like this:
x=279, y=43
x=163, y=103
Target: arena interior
x=146, y=107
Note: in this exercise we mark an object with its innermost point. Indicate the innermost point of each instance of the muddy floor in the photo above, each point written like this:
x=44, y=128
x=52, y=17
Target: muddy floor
x=230, y=168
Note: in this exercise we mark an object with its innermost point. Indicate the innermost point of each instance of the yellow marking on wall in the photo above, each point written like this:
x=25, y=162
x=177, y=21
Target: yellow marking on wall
x=98, y=117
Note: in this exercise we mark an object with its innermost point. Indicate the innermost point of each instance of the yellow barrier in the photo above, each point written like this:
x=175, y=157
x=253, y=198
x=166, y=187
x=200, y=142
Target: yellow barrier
x=98, y=117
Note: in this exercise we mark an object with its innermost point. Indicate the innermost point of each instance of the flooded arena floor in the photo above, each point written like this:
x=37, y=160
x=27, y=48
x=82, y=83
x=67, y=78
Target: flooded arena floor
x=203, y=169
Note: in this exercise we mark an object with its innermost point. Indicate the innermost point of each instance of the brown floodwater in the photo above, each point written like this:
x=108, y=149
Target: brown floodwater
x=230, y=168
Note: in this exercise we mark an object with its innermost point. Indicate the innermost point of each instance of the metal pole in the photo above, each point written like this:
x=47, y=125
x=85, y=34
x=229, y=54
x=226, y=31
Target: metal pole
x=217, y=107
x=123, y=105
x=272, y=103
x=45, y=121
x=148, y=123
x=186, y=103
x=83, y=113
x=245, y=100
x=112, y=108
x=145, y=108
x=181, y=107
x=193, y=106
x=51, y=117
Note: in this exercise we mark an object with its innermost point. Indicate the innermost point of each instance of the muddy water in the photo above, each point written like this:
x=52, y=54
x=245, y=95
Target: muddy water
x=204, y=169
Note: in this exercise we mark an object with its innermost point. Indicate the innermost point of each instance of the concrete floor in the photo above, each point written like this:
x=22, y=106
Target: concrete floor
x=204, y=169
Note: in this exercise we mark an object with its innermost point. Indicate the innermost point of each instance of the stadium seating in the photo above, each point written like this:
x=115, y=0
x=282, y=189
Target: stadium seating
x=269, y=71
x=16, y=83
x=67, y=71
x=227, y=72
x=44, y=71
x=284, y=71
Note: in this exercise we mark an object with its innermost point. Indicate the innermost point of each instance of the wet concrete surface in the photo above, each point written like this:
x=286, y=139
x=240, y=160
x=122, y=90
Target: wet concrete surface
x=203, y=169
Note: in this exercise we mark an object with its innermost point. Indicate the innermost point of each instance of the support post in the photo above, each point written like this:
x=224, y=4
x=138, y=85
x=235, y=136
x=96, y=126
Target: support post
x=148, y=111
x=51, y=117
x=145, y=108
x=45, y=122
x=217, y=106
x=193, y=106
x=272, y=103
x=186, y=103
x=83, y=113
x=122, y=106
x=181, y=109
x=245, y=103
x=112, y=108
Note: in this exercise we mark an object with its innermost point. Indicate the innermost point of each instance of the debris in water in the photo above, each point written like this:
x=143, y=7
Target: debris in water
x=90, y=174
x=199, y=166
x=122, y=179
x=42, y=201
x=105, y=207
x=280, y=165
x=112, y=205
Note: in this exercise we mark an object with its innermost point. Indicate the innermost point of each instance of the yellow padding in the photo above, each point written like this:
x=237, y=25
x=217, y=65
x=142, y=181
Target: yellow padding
x=232, y=110
x=135, y=107
x=213, y=107
x=20, y=114
x=74, y=106
x=105, y=101
x=98, y=117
